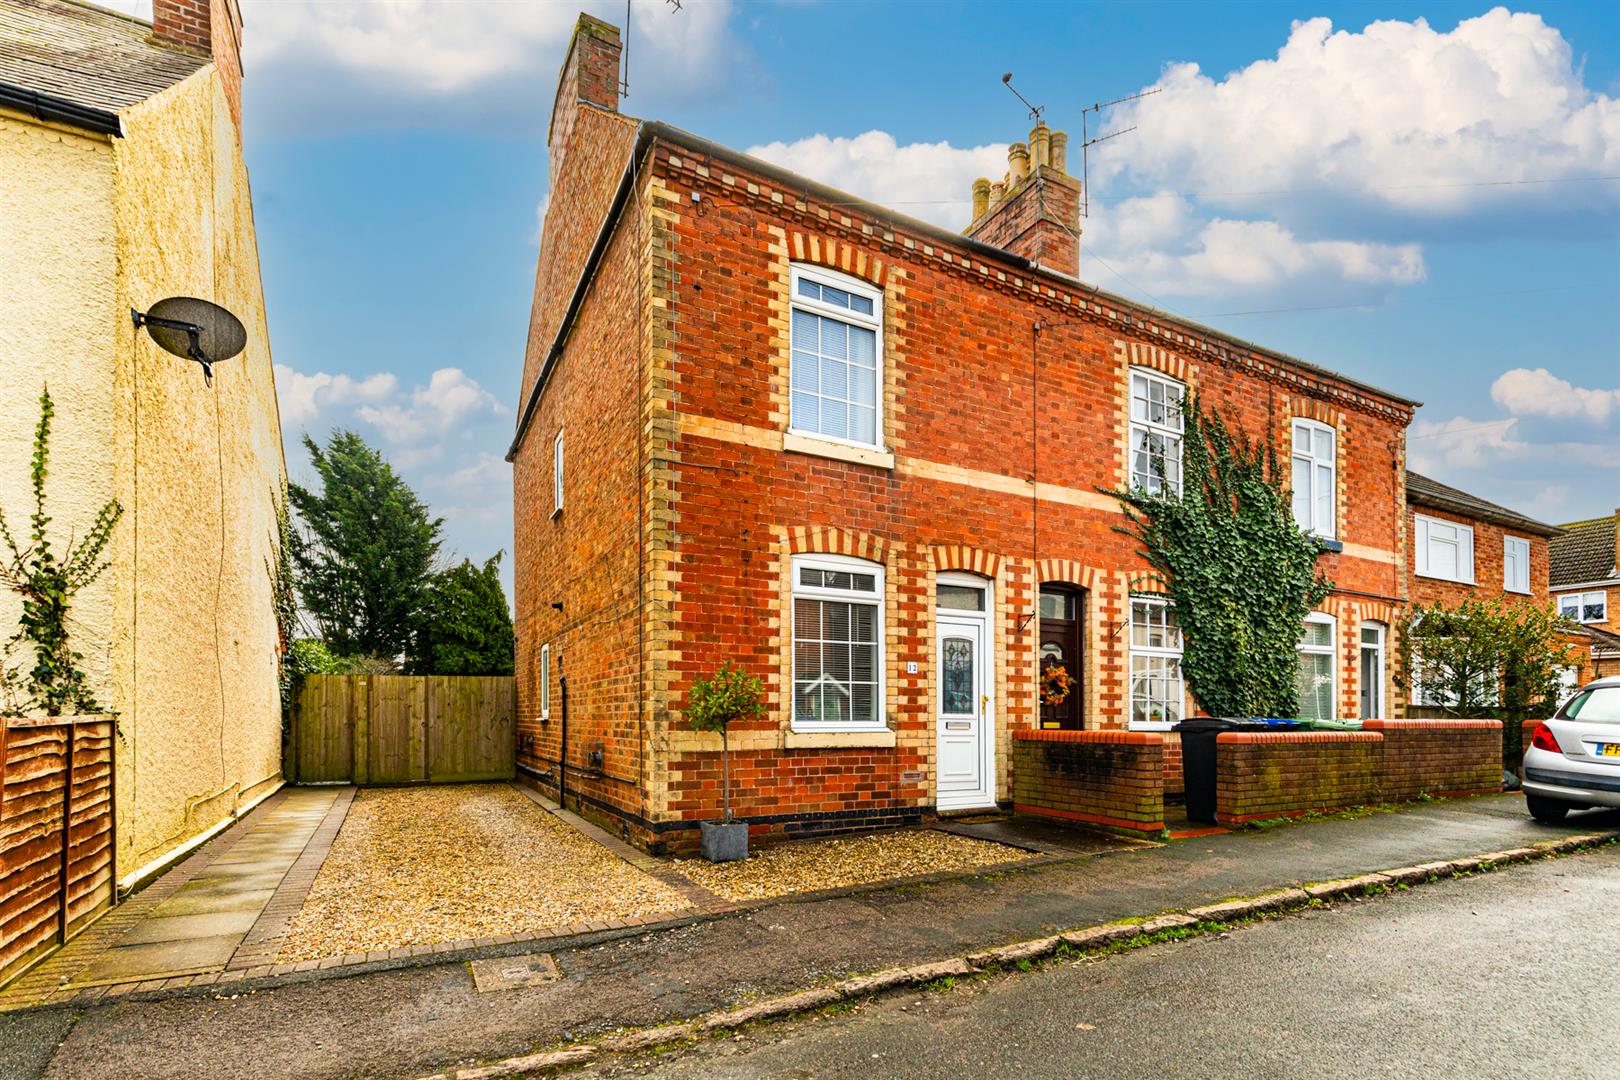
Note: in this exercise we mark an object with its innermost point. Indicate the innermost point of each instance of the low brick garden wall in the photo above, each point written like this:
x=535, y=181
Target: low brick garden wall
x=1110, y=780
x=1264, y=775
x=1439, y=757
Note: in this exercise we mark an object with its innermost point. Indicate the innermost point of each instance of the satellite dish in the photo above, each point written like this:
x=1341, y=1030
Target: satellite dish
x=194, y=330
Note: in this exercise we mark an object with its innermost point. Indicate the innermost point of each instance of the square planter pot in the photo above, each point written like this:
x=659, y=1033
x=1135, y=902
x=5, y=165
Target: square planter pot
x=725, y=841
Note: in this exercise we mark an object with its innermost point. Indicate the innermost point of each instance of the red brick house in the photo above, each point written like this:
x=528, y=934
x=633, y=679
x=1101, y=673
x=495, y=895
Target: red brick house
x=1585, y=581
x=1462, y=546
x=764, y=421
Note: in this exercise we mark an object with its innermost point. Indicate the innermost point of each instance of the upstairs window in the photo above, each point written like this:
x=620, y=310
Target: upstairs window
x=1587, y=607
x=837, y=644
x=1156, y=430
x=1515, y=564
x=837, y=358
x=1444, y=549
x=1315, y=472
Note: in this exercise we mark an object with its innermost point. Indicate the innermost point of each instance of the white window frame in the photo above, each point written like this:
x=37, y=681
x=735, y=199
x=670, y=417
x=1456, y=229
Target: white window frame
x=557, y=474
x=1580, y=599
x=1423, y=527
x=877, y=598
x=1330, y=650
x=1511, y=582
x=545, y=682
x=1314, y=524
x=874, y=322
x=1152, y=651
x=1381, y=649
x=1170, y=430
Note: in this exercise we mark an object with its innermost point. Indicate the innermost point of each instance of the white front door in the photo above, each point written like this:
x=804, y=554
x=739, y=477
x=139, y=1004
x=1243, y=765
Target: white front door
x=964, y=772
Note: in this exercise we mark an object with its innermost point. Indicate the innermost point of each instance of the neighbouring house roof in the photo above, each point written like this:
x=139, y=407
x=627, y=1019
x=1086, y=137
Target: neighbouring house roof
x=1423, y=491
x=1604, y=642
x=1585, y=552
x=80, y=64
x=650, y=130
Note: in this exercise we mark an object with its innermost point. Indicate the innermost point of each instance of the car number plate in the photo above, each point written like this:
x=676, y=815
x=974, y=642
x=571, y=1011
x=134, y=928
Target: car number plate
x=1608, y=749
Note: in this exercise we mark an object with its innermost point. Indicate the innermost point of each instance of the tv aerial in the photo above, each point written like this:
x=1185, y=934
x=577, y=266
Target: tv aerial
x=1035, y=111
x=1087, y=142
x=194, y=329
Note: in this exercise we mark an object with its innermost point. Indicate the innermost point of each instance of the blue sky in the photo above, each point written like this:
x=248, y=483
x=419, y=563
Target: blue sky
x=1402, y=192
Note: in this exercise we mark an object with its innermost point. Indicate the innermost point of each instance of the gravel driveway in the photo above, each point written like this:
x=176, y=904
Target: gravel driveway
x=414, y=866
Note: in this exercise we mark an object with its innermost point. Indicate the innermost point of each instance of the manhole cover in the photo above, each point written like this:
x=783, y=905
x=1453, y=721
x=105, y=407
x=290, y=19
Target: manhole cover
x=514, y=972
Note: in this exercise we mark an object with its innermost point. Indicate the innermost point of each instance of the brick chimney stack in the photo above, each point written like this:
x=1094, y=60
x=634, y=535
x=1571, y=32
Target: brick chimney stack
x=211, y=28
x=590, y=76
x=1034, y=210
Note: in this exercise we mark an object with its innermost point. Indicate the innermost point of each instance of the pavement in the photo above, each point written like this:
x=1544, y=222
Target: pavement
x=427, y=1017
x=1504, y=974
x=219, y=909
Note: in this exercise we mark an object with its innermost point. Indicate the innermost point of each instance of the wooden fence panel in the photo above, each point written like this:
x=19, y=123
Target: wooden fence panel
x=405, y=729
x=472, y=728
x=56, y=832
x=396, y=735
x=323, y=737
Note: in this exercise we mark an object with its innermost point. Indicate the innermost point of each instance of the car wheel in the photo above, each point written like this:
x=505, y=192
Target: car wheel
x=1547, y=811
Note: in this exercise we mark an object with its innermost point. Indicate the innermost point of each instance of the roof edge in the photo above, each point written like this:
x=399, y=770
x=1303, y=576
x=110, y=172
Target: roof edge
x=60, y=110
x=1508, y=519
x=647, y=131
x=946, y=236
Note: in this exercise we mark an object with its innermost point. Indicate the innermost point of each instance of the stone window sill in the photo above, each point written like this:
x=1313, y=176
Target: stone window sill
x=840, y=740
x=805, y=444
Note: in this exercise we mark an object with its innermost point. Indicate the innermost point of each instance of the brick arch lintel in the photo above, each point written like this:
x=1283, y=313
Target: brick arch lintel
x=840, y=255
x=1069, y=572
x=827, y=540
x=962, y=557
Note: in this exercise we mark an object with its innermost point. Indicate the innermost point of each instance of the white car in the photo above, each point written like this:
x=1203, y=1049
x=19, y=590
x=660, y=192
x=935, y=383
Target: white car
x=1573, y=760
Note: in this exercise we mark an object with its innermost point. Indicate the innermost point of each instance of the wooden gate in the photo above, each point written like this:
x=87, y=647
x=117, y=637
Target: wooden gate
x=56, y=832
x=404, y=729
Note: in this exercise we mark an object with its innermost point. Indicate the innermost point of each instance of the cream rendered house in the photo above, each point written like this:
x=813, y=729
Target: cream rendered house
x=121, y=183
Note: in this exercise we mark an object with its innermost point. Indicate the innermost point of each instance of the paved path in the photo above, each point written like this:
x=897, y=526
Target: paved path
x=1506, y=974
x=220, y=908
x=416, y=1020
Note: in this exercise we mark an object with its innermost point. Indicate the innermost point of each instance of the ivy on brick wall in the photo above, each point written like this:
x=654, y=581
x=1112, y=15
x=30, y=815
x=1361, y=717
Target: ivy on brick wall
x=1242, y=574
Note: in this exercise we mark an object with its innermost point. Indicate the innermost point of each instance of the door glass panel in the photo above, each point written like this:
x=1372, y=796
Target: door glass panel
x=961, y=597
x=1369, y=683
x=1056, y=605
x=1051, y=653
x=956, y=683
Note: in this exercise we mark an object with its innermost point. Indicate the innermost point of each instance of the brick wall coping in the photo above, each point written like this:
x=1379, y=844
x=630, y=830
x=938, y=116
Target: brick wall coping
x=1130, y=738
x=1430, y=725
x=1270, y=737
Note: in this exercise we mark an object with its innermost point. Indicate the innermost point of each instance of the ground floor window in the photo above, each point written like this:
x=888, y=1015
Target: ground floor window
x=1315, y=681
x=837, y=643
x=1157, y=692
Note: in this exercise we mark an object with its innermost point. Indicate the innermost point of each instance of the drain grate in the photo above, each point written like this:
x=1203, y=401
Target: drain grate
x=514, y=972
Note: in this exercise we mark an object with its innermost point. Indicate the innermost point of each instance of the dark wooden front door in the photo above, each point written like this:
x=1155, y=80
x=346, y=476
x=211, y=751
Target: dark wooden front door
x=1061, y=644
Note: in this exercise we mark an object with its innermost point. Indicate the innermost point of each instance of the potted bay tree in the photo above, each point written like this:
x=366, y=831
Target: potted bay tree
x=712, y=703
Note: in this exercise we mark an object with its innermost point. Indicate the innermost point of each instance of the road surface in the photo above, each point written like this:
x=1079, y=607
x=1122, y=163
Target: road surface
x=1512, y=973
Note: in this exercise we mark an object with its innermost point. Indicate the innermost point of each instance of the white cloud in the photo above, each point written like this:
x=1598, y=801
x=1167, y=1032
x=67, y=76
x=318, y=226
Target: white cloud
x=1538, y=392
x=450, y=399
x=932, y=181
x=1434, y=446
x=1387, y=114
x=303, y=397
x=320, y=64
x=1162, y=246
